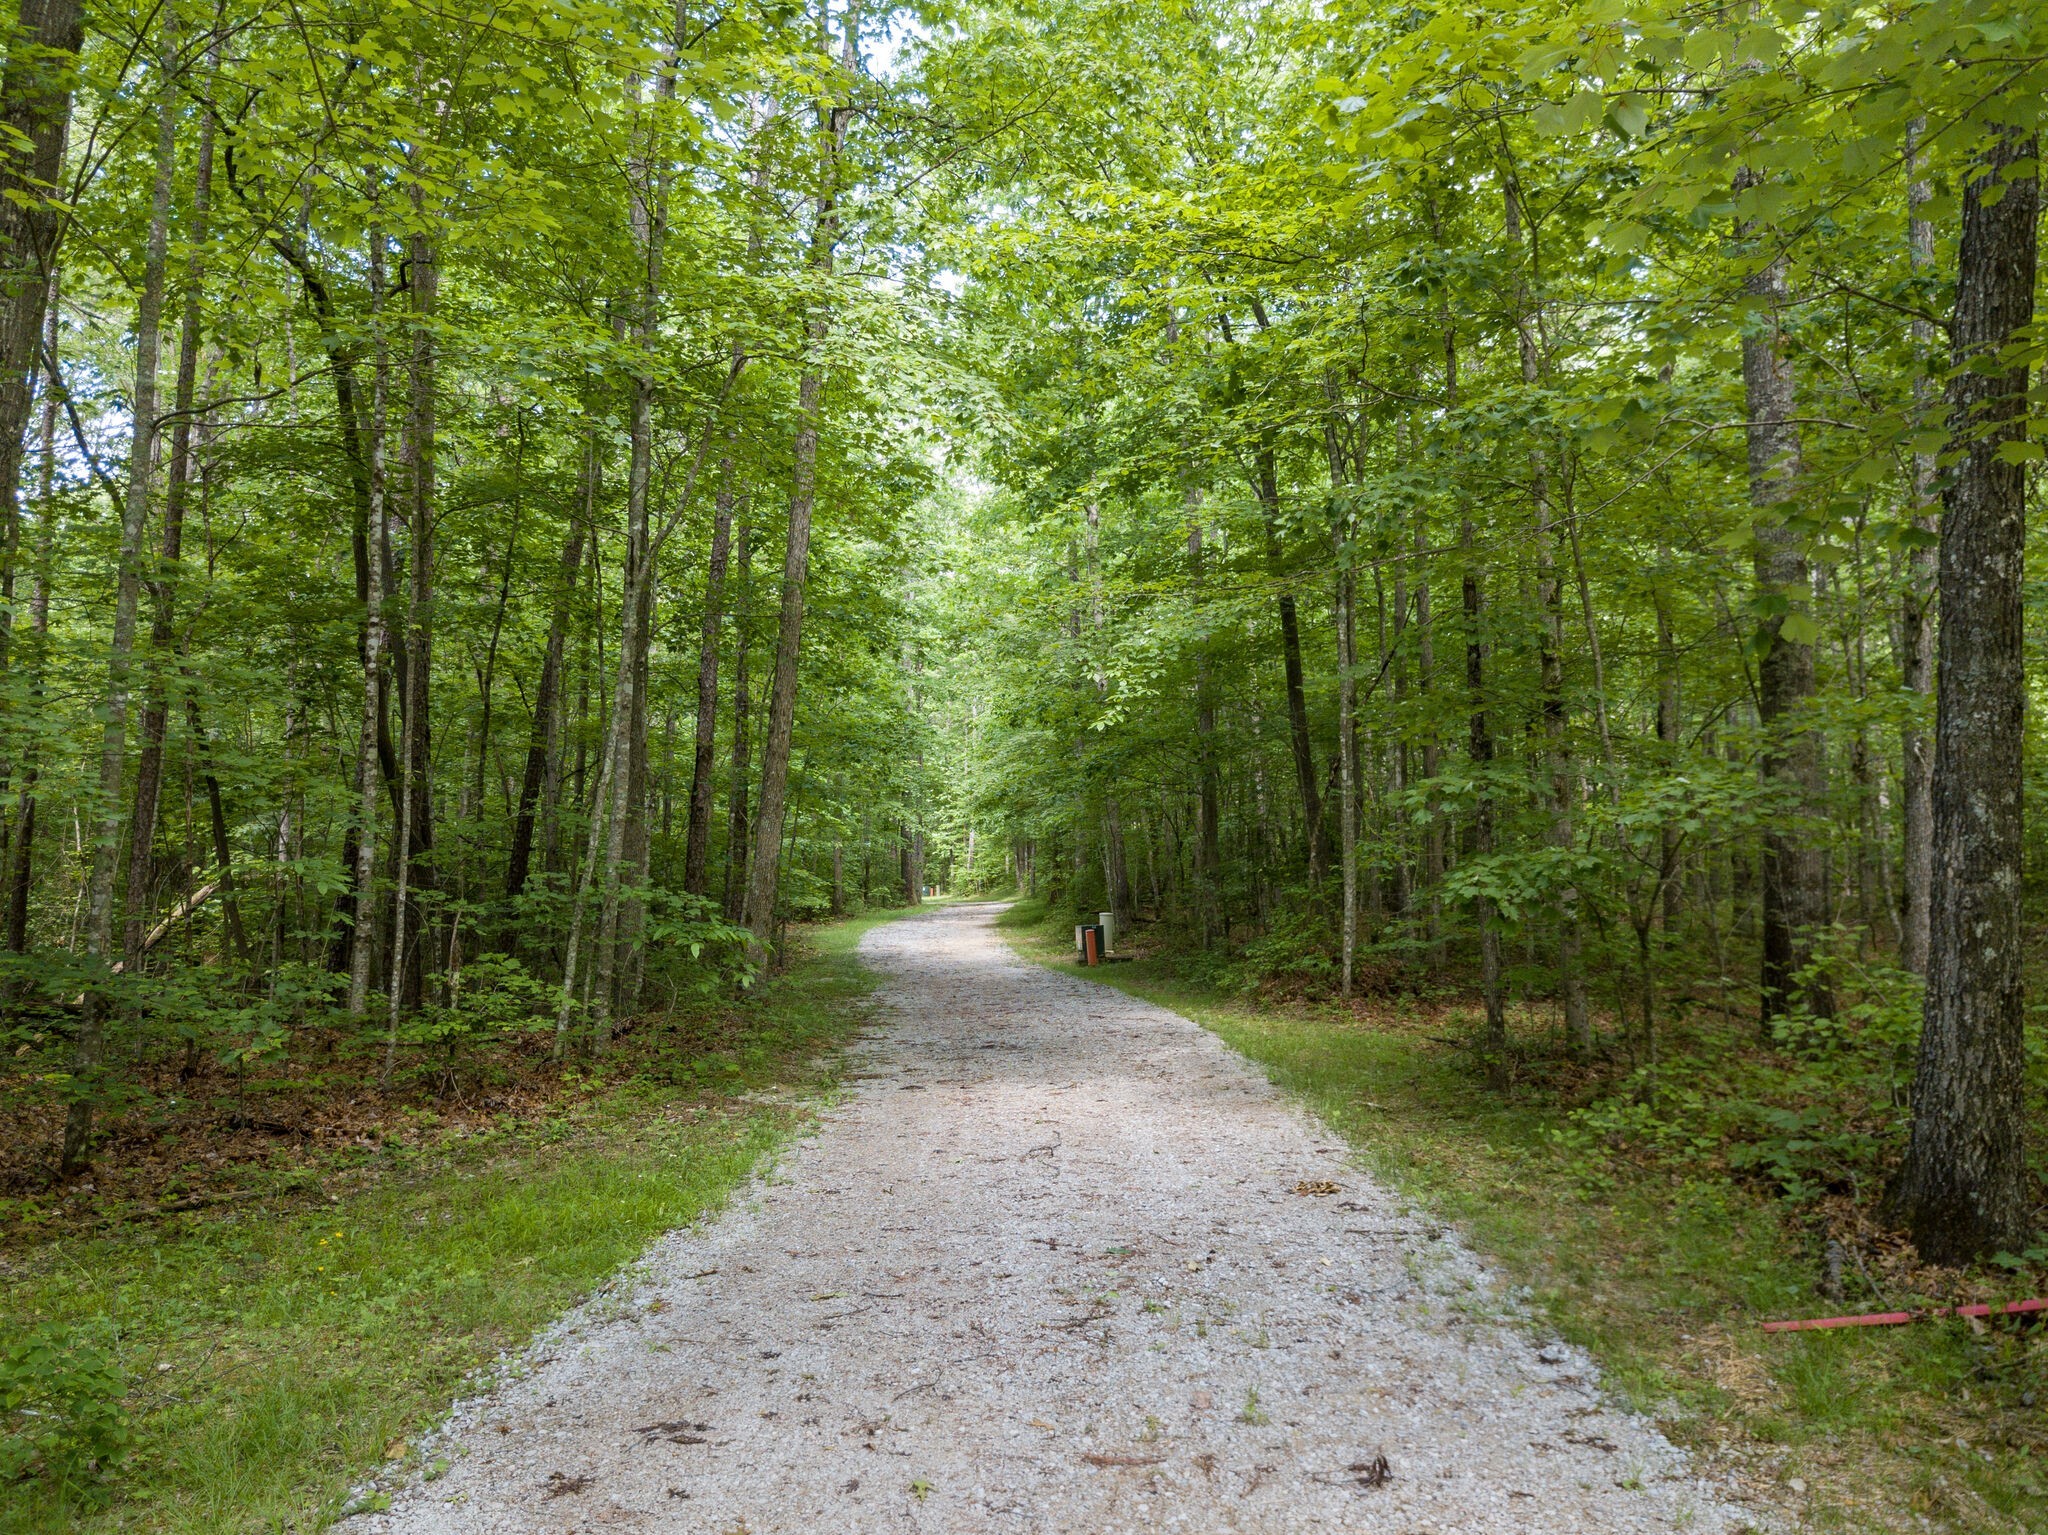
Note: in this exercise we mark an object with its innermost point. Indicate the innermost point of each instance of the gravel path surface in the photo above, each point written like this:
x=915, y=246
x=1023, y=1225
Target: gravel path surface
x=1061, y=1262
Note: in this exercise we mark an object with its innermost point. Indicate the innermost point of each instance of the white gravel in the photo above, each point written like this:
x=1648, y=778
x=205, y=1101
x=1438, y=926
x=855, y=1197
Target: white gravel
x=1052, y=1223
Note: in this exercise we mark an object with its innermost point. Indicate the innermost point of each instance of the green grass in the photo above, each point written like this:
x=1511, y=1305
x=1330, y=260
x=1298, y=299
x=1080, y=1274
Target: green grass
x=276, y=1356
x=1663, y=1278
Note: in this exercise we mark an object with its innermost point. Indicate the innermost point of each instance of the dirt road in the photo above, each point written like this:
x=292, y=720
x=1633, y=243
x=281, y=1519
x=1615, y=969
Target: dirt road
x=1059, y=1262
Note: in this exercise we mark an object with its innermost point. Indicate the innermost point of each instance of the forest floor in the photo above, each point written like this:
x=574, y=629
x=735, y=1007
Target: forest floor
x=1662, y=1274
x=284, y=1312
x=1060, y=1262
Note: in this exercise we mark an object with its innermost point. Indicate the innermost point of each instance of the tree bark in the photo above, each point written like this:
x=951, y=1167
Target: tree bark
x=1571, y=980
x=544, y=738
x=369, y=767
x=1481, y=748
x=414, y=846
x=164, y=585
x=21, y=873
x=737, y=816
x=629, y=709
x=703, y=767
x=1795, y=894
x=35, y=114
x=775, y=748
x=1290, y=657
x=1916, y=629
x=97, y=935
x=1432, y=749
x=1964, y=1188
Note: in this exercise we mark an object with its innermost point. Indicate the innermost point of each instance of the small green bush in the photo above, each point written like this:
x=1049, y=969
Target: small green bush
x=61, y=1408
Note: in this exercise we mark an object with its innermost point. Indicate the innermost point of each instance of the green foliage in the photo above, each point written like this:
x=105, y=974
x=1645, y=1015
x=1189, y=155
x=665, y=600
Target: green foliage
x=278, y=1352
x=62, y=1413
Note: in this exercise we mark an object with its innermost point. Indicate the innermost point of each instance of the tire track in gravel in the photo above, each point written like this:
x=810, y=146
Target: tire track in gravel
x=1059, y=1262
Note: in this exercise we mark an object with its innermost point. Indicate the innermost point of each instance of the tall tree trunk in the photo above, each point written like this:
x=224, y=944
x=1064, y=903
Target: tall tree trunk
x=1482, y=812
x=1315, y=832
x=1795, y=894
x=1667, y=736
x=1432, y=750
x=629, y=709
x=21, y=875
x=1347, y=759
x=1571, y=978
x=35, y=113
x=703, y=767
x=1964, y=1190
x=1116, y=879
x=1481, y=742
x=164, y=585
x=1404, y=881
x=737, y=815
x=1347, y=700
x=1916, y=629
x=552, y=775
x=1208, y=789
x=544, y=738
x=369, y=768
x=97, y=934
x=416, y=827
x=775, y=748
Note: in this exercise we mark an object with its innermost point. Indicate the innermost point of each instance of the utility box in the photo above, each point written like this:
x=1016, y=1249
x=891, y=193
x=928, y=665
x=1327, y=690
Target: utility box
x=1090, y=943
x=1106, y=920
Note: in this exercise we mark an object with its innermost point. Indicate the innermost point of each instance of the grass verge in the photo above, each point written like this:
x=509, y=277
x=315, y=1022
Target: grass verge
x=1664, y=1278
x=273, y=1356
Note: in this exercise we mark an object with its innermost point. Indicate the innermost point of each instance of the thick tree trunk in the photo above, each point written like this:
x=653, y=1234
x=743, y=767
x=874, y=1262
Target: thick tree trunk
x=1916, y=628
x=89, y=1043
x=1964, y=1190
x=1795, y=892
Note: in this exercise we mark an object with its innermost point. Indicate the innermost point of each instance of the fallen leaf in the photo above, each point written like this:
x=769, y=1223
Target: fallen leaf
x=1204, y=1401
x=560, y=1485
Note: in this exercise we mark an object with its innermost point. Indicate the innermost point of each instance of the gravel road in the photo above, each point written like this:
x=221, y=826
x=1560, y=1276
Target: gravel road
x=1059, y=1262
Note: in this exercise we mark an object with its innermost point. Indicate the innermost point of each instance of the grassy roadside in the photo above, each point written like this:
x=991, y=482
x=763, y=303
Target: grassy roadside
x=273, y=1355
x=1929, y=1426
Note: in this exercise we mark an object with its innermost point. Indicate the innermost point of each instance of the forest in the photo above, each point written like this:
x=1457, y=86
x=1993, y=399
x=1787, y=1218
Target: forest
x=1511, y=520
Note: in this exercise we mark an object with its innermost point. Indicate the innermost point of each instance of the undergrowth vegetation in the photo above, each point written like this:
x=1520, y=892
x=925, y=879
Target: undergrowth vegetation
x=215, y=1370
